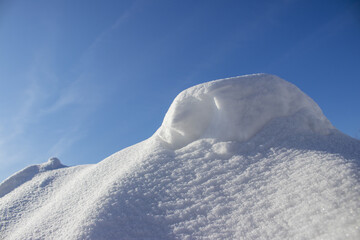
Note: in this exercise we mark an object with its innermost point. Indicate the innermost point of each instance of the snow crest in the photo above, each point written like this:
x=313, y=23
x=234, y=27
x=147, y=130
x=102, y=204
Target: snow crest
x=235, y=109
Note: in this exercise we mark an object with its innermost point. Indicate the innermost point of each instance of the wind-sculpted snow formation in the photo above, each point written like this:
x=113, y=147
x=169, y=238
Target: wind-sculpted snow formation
x=237, y=108
x=250, y=157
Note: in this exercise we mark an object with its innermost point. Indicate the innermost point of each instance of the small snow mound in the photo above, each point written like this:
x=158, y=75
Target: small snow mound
x=54, y=160
x=223, y=148
x=235, y=109
x=27, y=174
x=52, y=163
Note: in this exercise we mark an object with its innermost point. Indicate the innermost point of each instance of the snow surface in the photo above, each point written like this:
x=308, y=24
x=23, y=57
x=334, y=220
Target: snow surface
x=250, y=157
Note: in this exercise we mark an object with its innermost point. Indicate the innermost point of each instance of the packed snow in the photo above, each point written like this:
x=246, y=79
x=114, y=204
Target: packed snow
x=249, y=157
x=236, y=109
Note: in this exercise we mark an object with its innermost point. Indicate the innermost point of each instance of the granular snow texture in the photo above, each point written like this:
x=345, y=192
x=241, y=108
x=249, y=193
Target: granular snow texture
x=250, y=157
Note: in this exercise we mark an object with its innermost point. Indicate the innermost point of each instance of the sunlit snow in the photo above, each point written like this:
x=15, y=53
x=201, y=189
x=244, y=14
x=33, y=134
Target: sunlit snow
x=250, y=157
x=237, y=108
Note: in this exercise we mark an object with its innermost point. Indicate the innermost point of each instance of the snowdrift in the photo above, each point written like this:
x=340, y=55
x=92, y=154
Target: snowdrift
x=249, y=157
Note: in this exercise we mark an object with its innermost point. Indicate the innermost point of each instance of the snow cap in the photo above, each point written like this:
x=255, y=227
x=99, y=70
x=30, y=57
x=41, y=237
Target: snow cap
x=235, y=109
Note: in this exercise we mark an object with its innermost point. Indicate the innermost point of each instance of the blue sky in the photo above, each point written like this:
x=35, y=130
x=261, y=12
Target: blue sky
x=83, y=79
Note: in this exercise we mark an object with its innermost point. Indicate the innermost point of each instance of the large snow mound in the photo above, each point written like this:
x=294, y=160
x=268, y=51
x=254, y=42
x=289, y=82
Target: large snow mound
x=261, y=162
x=237, y=108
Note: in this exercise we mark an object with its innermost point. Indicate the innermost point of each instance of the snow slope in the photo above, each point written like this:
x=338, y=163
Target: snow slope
x=250, y=157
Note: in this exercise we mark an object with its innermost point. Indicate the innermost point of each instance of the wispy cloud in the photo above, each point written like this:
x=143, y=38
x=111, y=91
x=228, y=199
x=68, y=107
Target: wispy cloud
x=66, y=141
x=44, y=97
x=40, y=95
x=90, y=52
x=25, y=113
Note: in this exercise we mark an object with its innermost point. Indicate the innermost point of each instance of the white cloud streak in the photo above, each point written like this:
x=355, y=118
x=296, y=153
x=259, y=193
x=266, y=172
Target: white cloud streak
x=45, y=96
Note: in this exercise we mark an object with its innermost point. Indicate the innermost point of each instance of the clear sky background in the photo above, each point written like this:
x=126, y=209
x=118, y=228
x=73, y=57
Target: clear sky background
x=81, y=80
